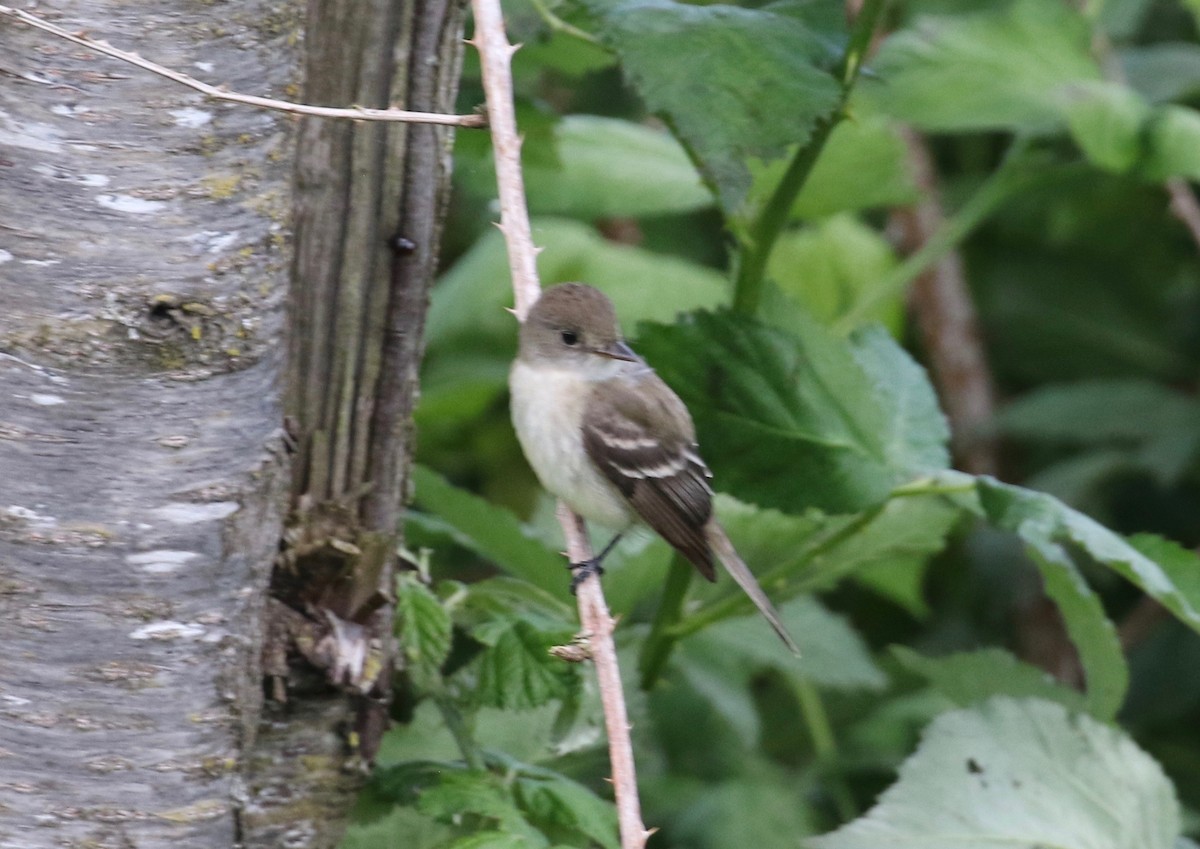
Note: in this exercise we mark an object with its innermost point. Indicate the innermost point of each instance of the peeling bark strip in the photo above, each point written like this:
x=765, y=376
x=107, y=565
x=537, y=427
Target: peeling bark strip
x=142, y=265
x=369, y=209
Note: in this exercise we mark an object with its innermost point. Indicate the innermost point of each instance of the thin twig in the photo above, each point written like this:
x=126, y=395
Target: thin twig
x=559, y=25
x=355, y=113
x=495, y=54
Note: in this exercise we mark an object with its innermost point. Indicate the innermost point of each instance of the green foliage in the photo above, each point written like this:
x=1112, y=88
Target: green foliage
x=801, y=401
x=699, y=66
x=926, y=601
x=1020, y=773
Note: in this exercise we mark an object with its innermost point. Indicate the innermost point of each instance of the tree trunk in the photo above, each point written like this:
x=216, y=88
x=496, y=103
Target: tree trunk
x=144, y=256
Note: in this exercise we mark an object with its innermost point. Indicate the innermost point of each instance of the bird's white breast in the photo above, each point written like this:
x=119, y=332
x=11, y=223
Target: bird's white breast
x=547, y=411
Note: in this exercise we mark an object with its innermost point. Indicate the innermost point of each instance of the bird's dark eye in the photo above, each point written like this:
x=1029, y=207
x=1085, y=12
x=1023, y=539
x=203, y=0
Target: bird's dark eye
x=570, y=337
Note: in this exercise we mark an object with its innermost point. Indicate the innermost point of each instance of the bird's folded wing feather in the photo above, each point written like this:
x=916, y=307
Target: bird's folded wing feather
x=644, y=443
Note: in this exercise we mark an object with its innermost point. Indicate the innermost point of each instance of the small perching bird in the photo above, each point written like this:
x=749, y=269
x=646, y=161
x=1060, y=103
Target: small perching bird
x=608, y=437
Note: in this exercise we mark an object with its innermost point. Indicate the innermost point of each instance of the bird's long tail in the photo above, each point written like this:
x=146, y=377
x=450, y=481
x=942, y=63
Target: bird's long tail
x=741, y=573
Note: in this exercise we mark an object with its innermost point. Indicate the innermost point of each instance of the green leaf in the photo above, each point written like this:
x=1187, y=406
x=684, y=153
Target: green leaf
x=494, y=840
x=792, y=554
x=835, y=656
x=614, y=168
x=1106, y=119
x=423, y=628
x=517, y=672
x=1044, y=521
x=1040, y=521
x=480, y=794
x=1174, y=144
x=1163, y=72
x=759, y=811
x=1054, y=412
x=864, y=165
x=968, y=678
x=490, y=531
x=1002, y=68
x=829, y=266
x=800, y=418
x=1020, y=773
x=558, y=804
x=733, y=83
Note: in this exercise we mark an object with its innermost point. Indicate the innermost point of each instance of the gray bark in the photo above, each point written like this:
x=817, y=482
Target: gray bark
x=144, y=479
x=142, y=483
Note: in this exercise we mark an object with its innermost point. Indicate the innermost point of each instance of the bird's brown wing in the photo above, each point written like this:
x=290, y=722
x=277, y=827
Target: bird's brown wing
x=645, y=444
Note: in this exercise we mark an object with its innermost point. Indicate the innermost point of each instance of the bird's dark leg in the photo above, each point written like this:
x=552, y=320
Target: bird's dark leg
x=580, y=572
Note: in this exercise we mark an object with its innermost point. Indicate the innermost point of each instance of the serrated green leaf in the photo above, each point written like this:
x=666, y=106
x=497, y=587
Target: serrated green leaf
x=733, y=83
x=1002, y=68
x=793, y=419
x=1106, y=119
x=967, y=678
x=517, y=671
x=491, y=531
x=1020, y=773
x=423, y=628
x=557, y=804
x=478, y=793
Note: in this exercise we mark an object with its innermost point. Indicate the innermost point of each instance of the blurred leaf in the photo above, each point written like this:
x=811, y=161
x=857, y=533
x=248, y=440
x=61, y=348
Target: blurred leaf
x=863, y=165
x=829, y=266
x=1105, y=119
x=1038, y=520
x=484, y=795
x=602, y=168
x=423, y=628
x=1113, y=410
x=495, y=840
x=759, y=811
x=835, y=656
x=486, y=529
x=1020, y=773
x=613, y=168
x=816, y=551
x=1181, y=564
x=801, y=419
x=1002, y=68
x=1045, y=522
x=557, y=804
x=1174, y=144
x=968, y=678
x=467, y=310
x=517, y=672
x=506, y=601
x=733, y=83
x=1163, y=72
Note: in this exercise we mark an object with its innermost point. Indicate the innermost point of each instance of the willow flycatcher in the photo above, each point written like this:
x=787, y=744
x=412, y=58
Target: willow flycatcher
x=608, y=437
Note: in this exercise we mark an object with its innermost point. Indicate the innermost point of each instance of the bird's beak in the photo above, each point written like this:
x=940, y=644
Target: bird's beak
x=619, y=351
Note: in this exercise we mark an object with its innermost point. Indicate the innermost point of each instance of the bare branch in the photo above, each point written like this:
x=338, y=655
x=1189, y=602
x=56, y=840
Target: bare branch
x=495, y=54
x=355, y=113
